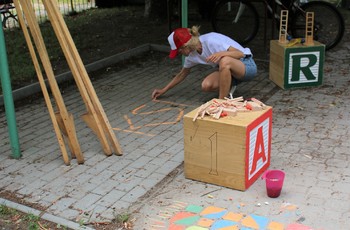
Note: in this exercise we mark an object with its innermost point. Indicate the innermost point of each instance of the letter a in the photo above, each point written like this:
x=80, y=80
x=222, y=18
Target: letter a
x=259, y=151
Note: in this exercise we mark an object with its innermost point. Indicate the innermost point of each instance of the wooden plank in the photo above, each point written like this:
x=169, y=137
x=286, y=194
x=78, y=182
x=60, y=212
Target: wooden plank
x=68, y=122
x=64, y=130
x=42, y=84
x=95, y=100
x=73, y=56
x=80, y=84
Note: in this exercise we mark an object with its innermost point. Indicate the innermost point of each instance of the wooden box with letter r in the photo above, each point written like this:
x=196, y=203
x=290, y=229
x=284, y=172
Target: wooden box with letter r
x=231, y=151
x=296, y=66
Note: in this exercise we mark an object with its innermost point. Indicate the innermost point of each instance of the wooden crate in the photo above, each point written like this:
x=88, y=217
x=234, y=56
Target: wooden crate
x=296, y=66
x=231, y=151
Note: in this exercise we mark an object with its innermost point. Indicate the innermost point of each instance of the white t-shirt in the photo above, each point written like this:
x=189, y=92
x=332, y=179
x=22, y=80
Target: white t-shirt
x=212, y=43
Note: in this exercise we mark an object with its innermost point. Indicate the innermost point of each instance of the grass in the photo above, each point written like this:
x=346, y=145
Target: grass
x=21, y=67
x=12, y=219
x=123, y=220
x=6, y=211
x=123, y=217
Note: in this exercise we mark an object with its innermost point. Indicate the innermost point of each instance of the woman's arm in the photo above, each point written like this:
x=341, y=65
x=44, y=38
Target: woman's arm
x=231, y=52
x=176, y=80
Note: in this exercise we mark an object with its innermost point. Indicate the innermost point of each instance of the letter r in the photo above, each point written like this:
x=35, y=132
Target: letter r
x=297, y=67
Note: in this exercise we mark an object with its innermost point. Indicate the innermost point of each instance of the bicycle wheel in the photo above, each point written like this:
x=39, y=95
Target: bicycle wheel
x=328, y=23
x=236, y=19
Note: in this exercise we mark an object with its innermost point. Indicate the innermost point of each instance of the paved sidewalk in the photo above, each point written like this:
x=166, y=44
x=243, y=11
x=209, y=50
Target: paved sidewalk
x=310, y=143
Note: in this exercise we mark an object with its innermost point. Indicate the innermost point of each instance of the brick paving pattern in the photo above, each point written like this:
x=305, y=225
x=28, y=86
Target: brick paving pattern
x=310, y=143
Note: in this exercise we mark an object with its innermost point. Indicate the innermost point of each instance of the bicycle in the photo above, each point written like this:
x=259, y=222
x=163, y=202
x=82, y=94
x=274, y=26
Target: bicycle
x=239, y=19
x=6, y=8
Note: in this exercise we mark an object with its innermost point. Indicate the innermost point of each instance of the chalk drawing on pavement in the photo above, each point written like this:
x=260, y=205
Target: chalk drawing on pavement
x=143, y=118
x=182, y=216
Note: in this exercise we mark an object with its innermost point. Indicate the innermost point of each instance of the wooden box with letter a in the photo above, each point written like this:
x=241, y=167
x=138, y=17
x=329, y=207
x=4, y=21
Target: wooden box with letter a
x=296, y=66
x=231, y=151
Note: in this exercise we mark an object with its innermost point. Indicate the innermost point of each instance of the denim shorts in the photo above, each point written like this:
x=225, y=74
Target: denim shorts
x=250, y=68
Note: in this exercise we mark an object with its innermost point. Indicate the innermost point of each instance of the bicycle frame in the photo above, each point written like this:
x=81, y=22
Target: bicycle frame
x=293, y=7
x=233, y=15
x=240, y=11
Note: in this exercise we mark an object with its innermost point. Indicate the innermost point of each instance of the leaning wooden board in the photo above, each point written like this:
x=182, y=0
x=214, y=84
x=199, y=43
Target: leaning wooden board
x=62, y=120
x=95, y=117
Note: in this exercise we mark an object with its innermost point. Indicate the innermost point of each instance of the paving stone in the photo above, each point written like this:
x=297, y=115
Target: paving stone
x=146, y=170
x=62, y=204
x=168, y=167
x=110, y=197
x=29, y=189
x=105, y=187
x=69, y=214
x=134, y=194
x=87, y=201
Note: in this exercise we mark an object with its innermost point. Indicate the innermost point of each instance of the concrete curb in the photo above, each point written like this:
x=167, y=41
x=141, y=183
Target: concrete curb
x=43, y=215
x=34, y=88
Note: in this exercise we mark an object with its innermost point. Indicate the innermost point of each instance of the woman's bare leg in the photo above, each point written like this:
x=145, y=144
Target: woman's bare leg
x=221, y=80
x=229, y=67
x=211, y=82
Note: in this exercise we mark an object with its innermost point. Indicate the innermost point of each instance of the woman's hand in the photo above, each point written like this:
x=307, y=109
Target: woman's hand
x=215, y=58
x=156, y=93
x=176, y=80
x=231, y=52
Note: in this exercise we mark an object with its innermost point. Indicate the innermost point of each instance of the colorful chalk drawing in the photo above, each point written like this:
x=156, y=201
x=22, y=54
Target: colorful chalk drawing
x=182, y=216
x=153, y=114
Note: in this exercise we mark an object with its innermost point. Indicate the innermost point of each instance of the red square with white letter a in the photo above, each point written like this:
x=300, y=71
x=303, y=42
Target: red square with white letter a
x=258, y=147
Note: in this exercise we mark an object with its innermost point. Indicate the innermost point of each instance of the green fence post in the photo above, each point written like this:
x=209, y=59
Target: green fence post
x=184, y=17
x=8, y=99
x=184, y=13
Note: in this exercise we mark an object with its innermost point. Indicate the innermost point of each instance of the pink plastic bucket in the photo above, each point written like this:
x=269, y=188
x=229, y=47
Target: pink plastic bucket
x=274, y=182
